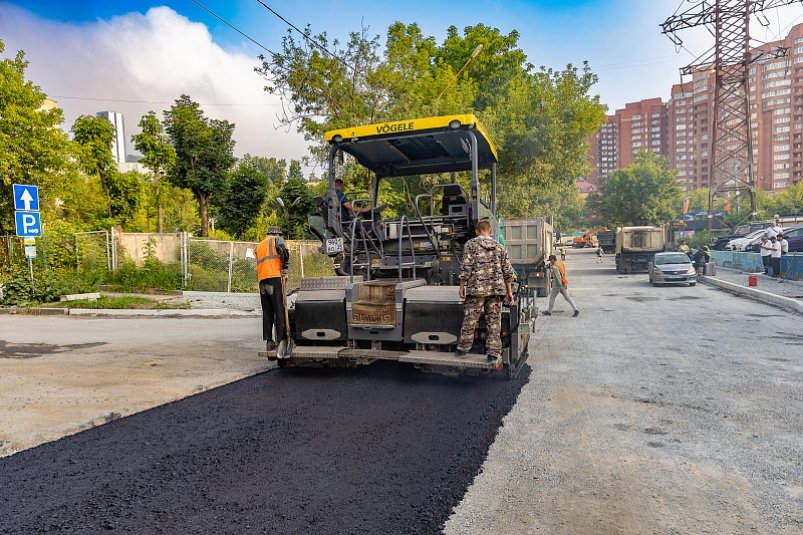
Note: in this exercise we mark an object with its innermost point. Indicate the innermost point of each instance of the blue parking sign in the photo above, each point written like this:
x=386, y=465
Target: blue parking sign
x=26, y=197
x=29, y=224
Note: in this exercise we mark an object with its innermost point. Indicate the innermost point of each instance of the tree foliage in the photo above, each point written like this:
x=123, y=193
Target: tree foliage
x=644, y=193
x=94, y=136
x=158, y=155
x=540, y=119
x=204, y=153
x=33, y=150
x=247, y=189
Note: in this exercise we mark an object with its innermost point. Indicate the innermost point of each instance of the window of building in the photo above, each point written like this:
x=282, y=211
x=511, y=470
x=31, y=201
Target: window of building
x=775, y=65
x=781, y=156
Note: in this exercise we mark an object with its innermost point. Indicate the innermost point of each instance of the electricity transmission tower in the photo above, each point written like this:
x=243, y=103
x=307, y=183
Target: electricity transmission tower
x=731, y=142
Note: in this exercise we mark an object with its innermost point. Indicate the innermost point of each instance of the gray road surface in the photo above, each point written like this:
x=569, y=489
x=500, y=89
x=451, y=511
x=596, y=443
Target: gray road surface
x=60, y=374
x=657, y=410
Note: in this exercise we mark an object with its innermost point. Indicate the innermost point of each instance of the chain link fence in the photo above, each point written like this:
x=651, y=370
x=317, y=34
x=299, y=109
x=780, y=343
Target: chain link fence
x=224, y=266
x=201, y=264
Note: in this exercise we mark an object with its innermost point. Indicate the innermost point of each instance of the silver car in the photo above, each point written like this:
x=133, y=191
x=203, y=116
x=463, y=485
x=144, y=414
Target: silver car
x=672, y=268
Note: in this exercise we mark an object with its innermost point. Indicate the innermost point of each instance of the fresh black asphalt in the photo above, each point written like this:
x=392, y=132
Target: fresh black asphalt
x=383, y=449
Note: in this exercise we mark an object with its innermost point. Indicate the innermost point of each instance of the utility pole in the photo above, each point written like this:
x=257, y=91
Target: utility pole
x=730, y=160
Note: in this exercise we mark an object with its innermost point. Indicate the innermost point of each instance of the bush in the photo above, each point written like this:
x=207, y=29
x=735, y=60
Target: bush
x=18, y=290
x=153, y=274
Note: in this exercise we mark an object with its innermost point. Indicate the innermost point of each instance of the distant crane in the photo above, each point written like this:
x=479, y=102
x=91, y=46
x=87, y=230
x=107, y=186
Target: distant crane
x=731, y=154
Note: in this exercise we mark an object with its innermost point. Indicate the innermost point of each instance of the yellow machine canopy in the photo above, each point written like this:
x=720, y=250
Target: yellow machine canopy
x=416, y=146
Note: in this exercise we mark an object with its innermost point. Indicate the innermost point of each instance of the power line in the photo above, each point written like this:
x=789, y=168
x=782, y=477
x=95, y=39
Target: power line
x=132, y=101
x=305, y=36
x=233, y=27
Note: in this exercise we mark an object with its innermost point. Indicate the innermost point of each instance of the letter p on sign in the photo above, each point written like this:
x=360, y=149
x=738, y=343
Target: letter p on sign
x=29, y=224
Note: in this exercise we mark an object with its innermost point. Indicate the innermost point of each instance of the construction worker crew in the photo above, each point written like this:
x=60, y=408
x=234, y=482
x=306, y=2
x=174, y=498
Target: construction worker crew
x=486, y=276
x=273, y=259
x=560, y=285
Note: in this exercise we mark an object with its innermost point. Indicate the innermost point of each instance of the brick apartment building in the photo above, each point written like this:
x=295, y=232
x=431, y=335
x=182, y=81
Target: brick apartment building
x=640, y=126
x=680, y=128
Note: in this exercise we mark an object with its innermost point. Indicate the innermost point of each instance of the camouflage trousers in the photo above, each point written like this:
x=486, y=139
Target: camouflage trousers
x=473, y=308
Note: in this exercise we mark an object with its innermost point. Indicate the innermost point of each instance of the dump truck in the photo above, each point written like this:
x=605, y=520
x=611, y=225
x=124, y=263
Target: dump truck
x=607, y=240
x=529, y=243
x=635, y=247
x=395, y=294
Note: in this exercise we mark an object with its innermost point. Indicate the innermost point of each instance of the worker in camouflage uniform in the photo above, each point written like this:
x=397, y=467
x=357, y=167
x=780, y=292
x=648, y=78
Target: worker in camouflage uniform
x=485, y=278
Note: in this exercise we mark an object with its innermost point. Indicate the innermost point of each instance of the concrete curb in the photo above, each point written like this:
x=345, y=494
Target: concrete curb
x=134, y=313
x=766, y=297
x=35, y=311
x=166, y=313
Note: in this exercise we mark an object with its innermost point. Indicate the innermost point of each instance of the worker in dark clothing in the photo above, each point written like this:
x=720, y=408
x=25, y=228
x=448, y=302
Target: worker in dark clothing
x=347, y=209
x=701, y=259
x=273, y=258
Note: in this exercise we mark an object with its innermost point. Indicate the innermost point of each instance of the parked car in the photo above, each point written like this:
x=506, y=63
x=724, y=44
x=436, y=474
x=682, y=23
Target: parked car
x=795, y=238
x=793, y=235
x=739, y=231
x=744, y=244
x=672, y=268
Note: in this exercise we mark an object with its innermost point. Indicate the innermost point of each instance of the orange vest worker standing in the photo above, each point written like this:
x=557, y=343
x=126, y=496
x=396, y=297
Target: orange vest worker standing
x=272, y=261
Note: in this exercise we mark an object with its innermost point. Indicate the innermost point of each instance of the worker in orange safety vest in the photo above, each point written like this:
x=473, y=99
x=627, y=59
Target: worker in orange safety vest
x=273, y=259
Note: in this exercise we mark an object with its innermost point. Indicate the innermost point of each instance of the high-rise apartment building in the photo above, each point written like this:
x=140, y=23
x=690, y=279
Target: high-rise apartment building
x=776, y=117
x=690, y=110
x=118, y=145
x=639, y=127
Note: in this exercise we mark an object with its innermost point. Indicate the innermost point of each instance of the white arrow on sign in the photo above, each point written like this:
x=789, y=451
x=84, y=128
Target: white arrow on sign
x=26, y=199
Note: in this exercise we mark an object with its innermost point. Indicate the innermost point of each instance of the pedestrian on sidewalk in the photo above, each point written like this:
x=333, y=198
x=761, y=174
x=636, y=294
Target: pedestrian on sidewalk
x=486, y=276
x=766, y=250
x=273, y=259
x=775, y=257
x=560, y=285
x=599, y=254
x=563, y=252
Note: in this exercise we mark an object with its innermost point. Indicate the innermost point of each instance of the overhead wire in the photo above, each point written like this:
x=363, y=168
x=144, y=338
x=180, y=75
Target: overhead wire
x=306, y=37
x=233, y=27
x=132, y=101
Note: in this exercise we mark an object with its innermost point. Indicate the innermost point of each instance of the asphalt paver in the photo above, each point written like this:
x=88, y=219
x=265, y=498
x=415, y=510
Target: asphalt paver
x=383, y=449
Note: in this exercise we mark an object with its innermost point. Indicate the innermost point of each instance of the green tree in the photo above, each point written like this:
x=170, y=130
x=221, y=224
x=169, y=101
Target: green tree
x=204, y=153
x=33, y=150
x=95, y=136
x=644, y=193
x=540, y=119
x=247, y=189
x=297, y=198
x=158, y=156
x=126, y=194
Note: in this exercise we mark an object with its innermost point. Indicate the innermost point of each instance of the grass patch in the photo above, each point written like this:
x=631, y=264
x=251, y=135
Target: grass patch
x=122, y=302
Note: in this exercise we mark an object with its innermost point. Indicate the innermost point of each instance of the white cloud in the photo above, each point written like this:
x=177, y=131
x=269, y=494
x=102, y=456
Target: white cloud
x=135, y=63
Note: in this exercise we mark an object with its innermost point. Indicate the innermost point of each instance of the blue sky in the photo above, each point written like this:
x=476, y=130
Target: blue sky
x=136, y=55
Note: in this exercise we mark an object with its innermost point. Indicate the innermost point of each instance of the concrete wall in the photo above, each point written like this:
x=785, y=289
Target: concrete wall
x=134, y=246
x=791, y=264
